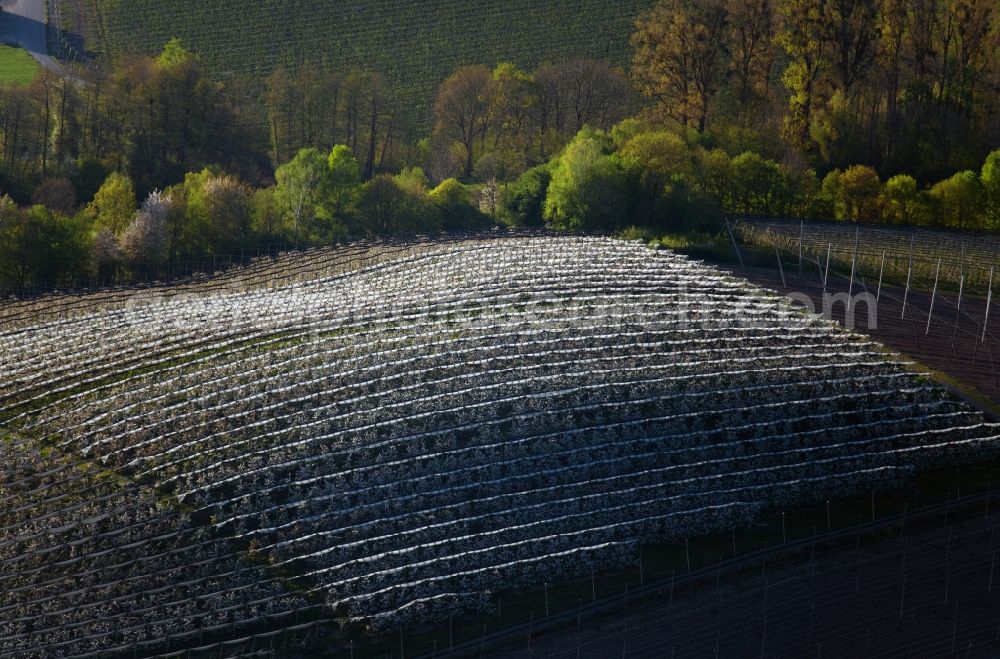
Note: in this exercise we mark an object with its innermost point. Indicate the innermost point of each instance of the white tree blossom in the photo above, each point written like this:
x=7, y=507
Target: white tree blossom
x=144, y=242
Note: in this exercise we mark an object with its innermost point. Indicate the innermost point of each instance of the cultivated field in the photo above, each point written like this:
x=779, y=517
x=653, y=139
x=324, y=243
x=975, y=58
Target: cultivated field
x=413, y=44
x=920, y=586
x=933, y=292
x=384, y=435
x=967, y=254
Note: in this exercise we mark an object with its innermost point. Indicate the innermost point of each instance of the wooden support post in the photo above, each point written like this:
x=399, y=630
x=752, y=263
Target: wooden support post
x=881, y=269
x=826, y=273
x=958, y=309
x=802, y=235
x=781, y=269
x=989, y=298
x=961, y=288
x=736, y=247
x=854, y=263
x=930, y=314
x=909, y=276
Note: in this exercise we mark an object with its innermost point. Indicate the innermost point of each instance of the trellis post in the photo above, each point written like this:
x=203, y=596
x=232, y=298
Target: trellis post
x=909, y=276
x=802, y=233
x=781, y=268
x=930, y=314
x=958, y=308
x=736, y=247
x=881, y=269
x=989, y=298
x=961, y=288
x=854, y=263
x=961, y=262
x=826, y=273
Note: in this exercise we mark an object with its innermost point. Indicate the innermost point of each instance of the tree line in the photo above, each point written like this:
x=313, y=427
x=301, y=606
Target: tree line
x=487, y=123
x=862, y=111
x=154, y=163
x=898, y=85
x=642, y=174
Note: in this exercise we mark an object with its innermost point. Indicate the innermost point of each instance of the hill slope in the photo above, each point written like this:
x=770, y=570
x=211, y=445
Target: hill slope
x=391, y=432
x=414, y=44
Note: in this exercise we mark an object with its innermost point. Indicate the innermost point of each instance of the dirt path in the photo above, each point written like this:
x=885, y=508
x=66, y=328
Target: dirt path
x=23, y=23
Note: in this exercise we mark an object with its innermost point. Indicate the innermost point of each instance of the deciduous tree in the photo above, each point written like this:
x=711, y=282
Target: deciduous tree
x=757, y=185
x=299, y=183
x=464, y=110
x=587, y=190
x=752, y=26
x=144, y=242
x=654, y=159
x=681, y=57
x=57, y=194
x=801, y=36
x=959, y=200
x=114, y=204
x=860, y=188
x=990, y=178
x=901, y=198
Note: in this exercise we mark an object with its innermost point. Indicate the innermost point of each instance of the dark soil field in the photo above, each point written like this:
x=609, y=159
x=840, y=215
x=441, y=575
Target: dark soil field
x=952, y=344
x=929, y=590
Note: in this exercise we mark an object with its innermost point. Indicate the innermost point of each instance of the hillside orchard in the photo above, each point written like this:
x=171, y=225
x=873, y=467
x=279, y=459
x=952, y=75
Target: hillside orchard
x=391, y=433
